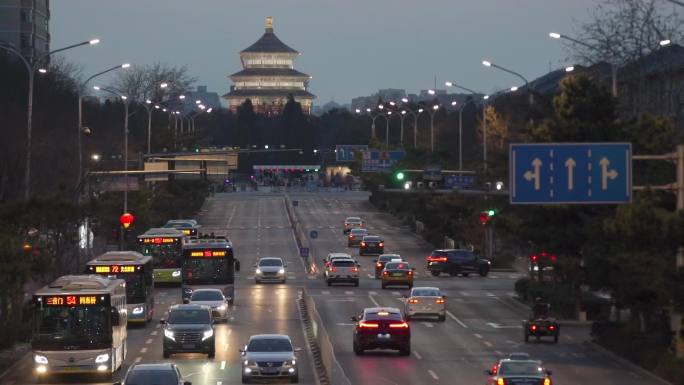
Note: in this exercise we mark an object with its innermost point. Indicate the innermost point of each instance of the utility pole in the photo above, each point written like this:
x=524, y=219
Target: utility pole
x=676, y=315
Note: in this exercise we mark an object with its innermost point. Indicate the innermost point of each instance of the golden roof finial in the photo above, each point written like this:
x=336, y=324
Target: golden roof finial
x=269, y=24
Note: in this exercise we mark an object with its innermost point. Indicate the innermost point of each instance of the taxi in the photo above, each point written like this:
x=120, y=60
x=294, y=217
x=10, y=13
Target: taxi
x=397, y=274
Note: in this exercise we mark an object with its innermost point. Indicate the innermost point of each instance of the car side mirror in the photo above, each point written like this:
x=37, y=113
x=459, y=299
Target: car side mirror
x=444, y=295
x=255, y=265
x=237, y=265
x=413, y=269
x=162, y=321
x=375, y=261
x=115, y=316
x=242, y=351
x=489, y=372
x=284, y=264
x=354, y=318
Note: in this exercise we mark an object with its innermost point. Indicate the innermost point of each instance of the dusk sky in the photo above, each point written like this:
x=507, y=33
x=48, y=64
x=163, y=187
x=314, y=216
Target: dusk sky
x=350, y=47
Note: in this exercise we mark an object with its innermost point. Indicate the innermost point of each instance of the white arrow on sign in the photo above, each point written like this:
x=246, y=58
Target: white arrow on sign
x=497, y=326
x=529, y=175
x=606, y=173
x=570, y=165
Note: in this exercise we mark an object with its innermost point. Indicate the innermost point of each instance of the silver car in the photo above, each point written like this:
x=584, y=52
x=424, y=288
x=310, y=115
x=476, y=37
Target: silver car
x=270, y=270
x=269, y=356
x=425, y=301
x=213, y=299
x=162, y=374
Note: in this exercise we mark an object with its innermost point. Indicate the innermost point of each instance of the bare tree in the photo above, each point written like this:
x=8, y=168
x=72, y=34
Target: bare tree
x=143, y=82
x=622, y=31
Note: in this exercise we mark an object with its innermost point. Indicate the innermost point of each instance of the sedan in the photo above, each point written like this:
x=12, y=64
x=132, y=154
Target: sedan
x=382, y=260
x=158, y=374
x=397, y=273
x=269, y=356
x=352, y=223
x=213, y=299
x=519, y=371
x=425, y=301
x=270, y=269
x=355, y=237
x=371, y=244
x=381, y=328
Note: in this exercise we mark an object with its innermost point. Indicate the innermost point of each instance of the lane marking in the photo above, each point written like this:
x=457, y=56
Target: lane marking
x=453, y=317
x=371, y=276
x=349, y=292
x=149, y=341
x=138, y=359
x=223, y=365
x=477, y=335
x=374, y=301
x=325, y=292
x=396, y=293
x=143, y=350
x=427, y=324
x=418, y=356
x=154, y=332
x=499, y=352
x=433, y=375
x=488, y=344
x=373, y=293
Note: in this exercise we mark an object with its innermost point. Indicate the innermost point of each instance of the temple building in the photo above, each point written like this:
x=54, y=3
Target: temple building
x=268, y=77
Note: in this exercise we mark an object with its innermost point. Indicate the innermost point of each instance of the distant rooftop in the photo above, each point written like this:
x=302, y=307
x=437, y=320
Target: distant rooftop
x=269, y=42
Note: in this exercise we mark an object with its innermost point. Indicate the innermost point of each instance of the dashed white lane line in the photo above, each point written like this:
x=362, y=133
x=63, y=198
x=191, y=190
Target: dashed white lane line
x=137, y=359
x=149, y=341
x=427, y=324
x=348, y=292
x=477, y=335
x=219, y=382
x=418, y=356
x=143, y=350
x=396, y=293
x=371, y=276
x=488, y=344
x=154, y=333
x=453, y=317
x=373, y=292
x=223, y=365
x=325, y=292
x=373, y=300
x=433, y=375
x=463, y=293
x=499, y=352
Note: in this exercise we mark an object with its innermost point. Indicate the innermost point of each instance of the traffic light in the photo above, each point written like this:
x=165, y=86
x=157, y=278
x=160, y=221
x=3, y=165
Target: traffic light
x=484, y=218
x=491, y=213
x=126, y=220
x=399, y=175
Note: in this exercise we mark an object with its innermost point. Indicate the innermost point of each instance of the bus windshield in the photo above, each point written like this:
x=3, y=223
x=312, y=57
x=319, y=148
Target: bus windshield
x=207, y=271
x=164, y=256
x=81, y=327
x=135, y=285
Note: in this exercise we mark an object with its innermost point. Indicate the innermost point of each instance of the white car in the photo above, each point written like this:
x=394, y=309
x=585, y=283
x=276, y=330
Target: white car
x=213, y=299
x=268, y=356
x=270, y=270
x=425, y=301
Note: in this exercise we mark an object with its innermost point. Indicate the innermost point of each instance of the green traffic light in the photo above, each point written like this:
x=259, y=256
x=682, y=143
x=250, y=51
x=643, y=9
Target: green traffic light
x=400, y=175
x=491, y=212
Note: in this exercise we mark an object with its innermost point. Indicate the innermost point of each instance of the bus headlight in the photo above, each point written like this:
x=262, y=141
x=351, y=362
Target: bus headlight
x=41, y=369
x=102, y=358
x=138, y=310
x=40, y=359
x=169, y=334
x=208, y=334
x=176, y=274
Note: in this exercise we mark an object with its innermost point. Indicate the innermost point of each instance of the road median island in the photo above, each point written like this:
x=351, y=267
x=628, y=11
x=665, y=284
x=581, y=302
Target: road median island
x=300, y=236
x=326, y=364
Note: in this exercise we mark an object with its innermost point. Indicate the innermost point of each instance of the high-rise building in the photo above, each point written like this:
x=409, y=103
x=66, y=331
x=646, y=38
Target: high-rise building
x=268, y=76
x=25, y=26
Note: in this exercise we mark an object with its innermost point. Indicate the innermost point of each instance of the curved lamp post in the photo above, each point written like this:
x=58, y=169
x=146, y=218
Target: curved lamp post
x=488, y=63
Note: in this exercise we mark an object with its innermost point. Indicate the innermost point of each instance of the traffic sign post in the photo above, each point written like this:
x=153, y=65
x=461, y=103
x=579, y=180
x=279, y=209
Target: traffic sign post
x=345, y=152
x=570, y=173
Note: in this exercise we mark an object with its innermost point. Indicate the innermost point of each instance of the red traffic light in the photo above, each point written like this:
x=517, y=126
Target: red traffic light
x=126, y=220
x=484, y=218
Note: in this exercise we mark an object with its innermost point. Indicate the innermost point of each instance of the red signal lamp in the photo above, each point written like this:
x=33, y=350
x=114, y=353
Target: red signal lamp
x=126, y=220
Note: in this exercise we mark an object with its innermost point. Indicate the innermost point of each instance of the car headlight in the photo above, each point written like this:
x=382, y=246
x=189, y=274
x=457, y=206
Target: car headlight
x=258, y=271
x=208, y=334
x=102, y=358
x=281, y=271
x=40, y=359
x=176, y=273
x=138, y=310
x=169, y=334
x=221, y=308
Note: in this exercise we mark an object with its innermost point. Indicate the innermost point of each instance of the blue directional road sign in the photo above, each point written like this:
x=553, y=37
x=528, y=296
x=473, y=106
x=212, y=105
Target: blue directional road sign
x=570, y=173
x=462, y=181
x=313, y=234
x=345, y=152
x=380, y=161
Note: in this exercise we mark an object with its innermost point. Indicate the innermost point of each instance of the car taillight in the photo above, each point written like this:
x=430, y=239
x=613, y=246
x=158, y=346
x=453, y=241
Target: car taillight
x=551, y=327
x=368, y=325
x=500, y=381
x=363, y=244
x=378, y=264
x=413, y=300
x=547, y=381
x=409, y=272
x=439, y=300
x=351, y=237
x=332, y=268
x=385, y=273
x=495, y=368
x=533, y=327
x=402, y=325
x=431, y=258
x=355, y=269
x=381, y=244
x=327, y=264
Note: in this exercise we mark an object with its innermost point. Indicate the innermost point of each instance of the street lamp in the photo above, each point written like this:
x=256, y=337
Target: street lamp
x=569, y=68
x=81, y=90
x=484, y=125
x=373, y=117
x=664, y=42
x=432, y=113
x=125, y=146
x=149, y=108
x=613, y=66
x=487, y=63
x=32, y=67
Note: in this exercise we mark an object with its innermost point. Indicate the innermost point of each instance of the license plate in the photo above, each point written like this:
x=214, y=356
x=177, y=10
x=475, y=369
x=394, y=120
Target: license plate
x=383, y=336
x=397, y=274
x=270, y=370
x=371, y=244
x=188, y=346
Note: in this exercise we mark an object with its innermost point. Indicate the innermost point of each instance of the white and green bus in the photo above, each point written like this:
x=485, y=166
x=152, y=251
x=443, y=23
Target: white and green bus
x=165, y=246
x=136, y=270
x=79, y=326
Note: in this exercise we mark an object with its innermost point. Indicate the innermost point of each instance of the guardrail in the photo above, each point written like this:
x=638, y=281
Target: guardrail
x=333, y=370
x=300, y=236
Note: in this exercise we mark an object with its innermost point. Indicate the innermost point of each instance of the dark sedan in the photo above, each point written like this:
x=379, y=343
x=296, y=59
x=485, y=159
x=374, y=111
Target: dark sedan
x=371, y=244
x=456, y=261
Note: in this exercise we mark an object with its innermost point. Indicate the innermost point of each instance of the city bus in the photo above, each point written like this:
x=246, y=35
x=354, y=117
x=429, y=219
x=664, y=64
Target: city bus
x=165, y=246
x=79, y=326
x=189, y=227
x=209, y=263
x=136, y=270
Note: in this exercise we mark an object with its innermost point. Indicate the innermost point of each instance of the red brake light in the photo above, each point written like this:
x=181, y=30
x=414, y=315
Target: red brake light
x=351, y=237
x=552, y=327
x=382, y=244
x=439, y=300
x=369, y=325
x=409, y=272
x=363, y=244
x=378, y=264
x=402, y=325
x=533, y=327
x=355, y=269
x=534, y=258
x=547, y=381
x=385, y=272
x=413, y=300
x=332, y=268
x=432, y=258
